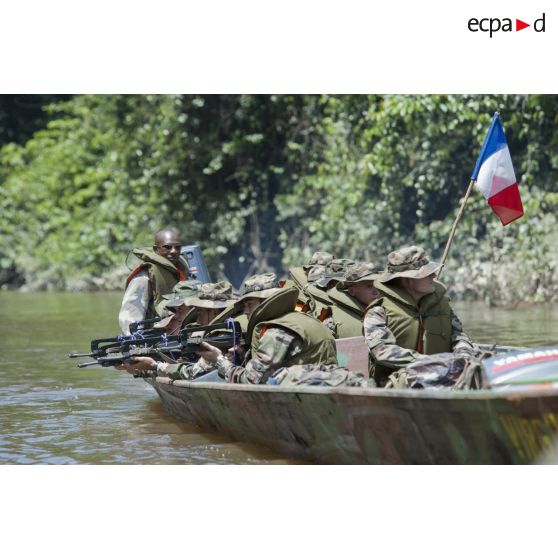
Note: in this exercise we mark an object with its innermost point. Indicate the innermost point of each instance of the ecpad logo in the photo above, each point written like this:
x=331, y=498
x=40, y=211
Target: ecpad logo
x=493, y=25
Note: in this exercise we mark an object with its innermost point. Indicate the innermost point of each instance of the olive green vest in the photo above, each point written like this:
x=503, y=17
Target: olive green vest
x=347, y=313
x=299, y=280
x=163, y=276
x=317, y=300
x=318, y=343
x=278, y=310
x=424, y=326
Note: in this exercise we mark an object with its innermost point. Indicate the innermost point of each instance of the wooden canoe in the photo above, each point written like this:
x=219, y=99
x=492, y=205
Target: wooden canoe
x=373, y=426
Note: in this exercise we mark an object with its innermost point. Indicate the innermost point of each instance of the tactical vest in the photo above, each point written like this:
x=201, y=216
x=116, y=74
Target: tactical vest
x=318, y=302
x=347, y=313
x=424, y=327
x=318, y=343
x=163, y=276
x=278, y=311
x=298, y=280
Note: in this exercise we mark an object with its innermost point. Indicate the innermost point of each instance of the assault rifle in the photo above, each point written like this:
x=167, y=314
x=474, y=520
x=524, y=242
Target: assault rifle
x=113, y=351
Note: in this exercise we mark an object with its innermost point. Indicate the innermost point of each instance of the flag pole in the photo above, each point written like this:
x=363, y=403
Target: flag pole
x=454, y=226
x=474, y=176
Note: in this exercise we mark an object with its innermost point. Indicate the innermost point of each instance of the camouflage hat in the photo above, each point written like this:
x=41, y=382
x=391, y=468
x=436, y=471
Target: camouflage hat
x=212, y=295
x=182, y=291
x=318, y=258
x=334, y=272
x=316, y=273
x=410, y=261
x=361, y=271
x=259, y=286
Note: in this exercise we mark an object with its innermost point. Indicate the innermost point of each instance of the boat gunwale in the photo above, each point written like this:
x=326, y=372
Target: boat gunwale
x=443, y=394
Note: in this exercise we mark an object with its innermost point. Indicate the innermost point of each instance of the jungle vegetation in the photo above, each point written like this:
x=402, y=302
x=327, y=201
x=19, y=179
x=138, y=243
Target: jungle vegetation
x=262, y=181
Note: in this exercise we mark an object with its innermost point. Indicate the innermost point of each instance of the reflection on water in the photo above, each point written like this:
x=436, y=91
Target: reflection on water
x=52, y=412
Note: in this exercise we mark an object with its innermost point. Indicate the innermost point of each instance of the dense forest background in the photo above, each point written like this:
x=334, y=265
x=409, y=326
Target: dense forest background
x=261, y=181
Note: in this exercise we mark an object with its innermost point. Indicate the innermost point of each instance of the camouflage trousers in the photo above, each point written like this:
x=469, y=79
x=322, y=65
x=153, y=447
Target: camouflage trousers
x=319, y=375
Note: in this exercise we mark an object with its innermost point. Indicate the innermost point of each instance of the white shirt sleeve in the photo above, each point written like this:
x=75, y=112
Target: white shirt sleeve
x=135, y=302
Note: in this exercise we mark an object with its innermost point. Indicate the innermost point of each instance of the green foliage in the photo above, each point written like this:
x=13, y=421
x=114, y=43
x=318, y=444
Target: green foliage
x=263, y=181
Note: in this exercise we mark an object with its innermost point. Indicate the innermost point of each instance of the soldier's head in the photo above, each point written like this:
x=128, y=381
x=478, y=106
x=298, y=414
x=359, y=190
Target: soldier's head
x=332, y=273
x=255, y=290
x=318, y=258
x=175, y=302
x=210, y=300
x=168, y=245
x=411, y=270
x=359, y=279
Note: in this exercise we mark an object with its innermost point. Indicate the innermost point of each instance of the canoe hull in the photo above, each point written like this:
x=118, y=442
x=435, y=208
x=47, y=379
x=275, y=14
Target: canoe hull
x=373, y=426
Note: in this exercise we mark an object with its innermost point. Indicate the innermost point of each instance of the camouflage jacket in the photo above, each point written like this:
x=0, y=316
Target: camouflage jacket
x=276, y=347
x=382, y=345
x=186, y=371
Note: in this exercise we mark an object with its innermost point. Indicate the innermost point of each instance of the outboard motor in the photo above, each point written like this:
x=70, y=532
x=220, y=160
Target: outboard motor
x=196, y=264
x=525, y=368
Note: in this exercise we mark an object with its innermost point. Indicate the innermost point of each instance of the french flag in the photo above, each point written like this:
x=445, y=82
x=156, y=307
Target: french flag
x=495, y=177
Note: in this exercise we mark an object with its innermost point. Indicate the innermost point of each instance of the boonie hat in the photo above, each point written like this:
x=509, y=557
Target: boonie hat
x=361, y=271
x=318, y=258
x=212, y=295
x=410, y=261
x=259, y=286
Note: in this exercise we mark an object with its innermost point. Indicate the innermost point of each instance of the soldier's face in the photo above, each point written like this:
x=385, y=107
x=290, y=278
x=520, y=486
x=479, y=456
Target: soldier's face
x=168, y=245
x=364, y=292
x=423, y=286
x=250, y=304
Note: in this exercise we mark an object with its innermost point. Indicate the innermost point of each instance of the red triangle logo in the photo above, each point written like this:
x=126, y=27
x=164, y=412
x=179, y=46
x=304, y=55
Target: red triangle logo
x=519, y=25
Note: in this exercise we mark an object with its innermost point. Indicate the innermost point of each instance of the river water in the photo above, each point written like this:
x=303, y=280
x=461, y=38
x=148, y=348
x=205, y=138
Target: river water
x=53, y=412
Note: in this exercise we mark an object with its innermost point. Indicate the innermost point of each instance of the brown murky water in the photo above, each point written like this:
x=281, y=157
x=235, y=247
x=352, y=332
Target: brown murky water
x=52, y=412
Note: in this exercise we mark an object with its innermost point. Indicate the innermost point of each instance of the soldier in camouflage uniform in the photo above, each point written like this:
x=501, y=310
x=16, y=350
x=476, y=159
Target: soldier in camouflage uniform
x=278, y=336
x=350, y=297
x=210, y=300
x=176, y=313
x=299, y=276
x=412, y=317
x=321, y=279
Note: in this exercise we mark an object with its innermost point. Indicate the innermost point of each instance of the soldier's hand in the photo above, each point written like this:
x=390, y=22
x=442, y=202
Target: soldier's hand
x=208, y=352
x=138, y=364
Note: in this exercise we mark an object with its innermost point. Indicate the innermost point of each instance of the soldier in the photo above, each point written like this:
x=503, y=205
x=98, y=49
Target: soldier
x=320, y=280
x=161, y=269
x=299, y=276
x=177, y=313
x=277, y=335
x=209, y=301
x=412, y=317
x=350, y=297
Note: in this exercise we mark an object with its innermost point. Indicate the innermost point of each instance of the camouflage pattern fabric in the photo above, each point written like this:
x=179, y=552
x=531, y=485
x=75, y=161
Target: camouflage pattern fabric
x=361, y=271
x=317, y=272
x=185, y=371
x=382, y=344
x=212, y=295
x=318, y=258
x=441, y=371
x=409, y=261
x=318, y=375
x=259, y=286
x=276, y=346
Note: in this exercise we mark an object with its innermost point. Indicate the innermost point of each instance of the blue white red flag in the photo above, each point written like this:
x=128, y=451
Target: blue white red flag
x=495, y=177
